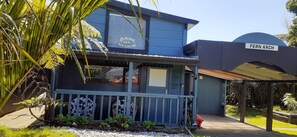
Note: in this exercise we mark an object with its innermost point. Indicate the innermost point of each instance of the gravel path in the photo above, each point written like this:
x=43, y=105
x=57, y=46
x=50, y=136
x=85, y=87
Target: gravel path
x=100, y=133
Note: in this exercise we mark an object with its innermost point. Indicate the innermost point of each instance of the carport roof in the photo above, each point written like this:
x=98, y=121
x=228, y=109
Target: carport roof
x=225, y=59
x=227, y=75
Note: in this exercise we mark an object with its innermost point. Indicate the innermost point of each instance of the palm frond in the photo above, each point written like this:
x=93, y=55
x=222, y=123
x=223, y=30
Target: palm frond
x=29, y=28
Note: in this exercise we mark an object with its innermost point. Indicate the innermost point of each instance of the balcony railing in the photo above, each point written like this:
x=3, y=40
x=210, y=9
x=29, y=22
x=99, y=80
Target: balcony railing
x=161, y=108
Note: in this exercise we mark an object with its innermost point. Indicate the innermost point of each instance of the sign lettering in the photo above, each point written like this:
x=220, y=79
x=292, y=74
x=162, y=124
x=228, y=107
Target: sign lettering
x=256, y=46
x=127, y=42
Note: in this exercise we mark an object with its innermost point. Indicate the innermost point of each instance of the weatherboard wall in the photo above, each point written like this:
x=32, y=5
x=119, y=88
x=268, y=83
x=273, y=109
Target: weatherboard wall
x=210, y=92
x=164, y=38
x=97, y=19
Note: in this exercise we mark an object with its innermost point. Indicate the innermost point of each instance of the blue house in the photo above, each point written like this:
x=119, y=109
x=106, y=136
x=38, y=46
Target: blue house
x=142, y=77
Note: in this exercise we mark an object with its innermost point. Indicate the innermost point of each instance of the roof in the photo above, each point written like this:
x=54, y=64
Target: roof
x=190, y=22
x=260, y=38
x=241, y=74
x=227, y=75
x=142, y=58
x=218, y=55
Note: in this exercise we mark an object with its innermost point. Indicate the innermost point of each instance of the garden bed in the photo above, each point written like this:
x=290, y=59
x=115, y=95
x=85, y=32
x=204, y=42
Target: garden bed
x=285, y=117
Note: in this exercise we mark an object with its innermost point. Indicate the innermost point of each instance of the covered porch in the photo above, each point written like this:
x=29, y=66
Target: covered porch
x=148, y=87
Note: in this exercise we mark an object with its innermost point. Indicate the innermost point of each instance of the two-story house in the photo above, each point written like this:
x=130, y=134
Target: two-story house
x=143, y=75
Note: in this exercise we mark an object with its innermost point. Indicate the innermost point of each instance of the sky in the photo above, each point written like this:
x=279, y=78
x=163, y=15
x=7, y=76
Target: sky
x=225, y=20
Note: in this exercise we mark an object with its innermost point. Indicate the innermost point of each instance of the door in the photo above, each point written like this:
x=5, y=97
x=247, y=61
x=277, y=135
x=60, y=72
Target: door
x=209, y=95
x=157, y=83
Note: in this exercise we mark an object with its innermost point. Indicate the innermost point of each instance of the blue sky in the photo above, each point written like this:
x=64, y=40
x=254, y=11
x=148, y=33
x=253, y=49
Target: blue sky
x=225, y=20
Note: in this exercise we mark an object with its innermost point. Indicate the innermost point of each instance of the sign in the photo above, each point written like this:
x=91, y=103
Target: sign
x=256, y=46
x=127, y=42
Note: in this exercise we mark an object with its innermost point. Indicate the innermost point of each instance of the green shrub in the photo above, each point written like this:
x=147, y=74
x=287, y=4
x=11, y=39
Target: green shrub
x=111, y=121
x=68, y=119
x=290, y=102
x=119, y=121
x=104, y=125
x=148, y=124
x=83, y=120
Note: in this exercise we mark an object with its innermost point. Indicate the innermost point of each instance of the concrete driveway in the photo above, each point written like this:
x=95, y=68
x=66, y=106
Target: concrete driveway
x=227, y=127
x=21, y=118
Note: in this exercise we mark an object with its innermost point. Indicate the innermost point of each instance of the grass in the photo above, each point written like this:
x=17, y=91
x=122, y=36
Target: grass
x=256, y=117
x=45, y=132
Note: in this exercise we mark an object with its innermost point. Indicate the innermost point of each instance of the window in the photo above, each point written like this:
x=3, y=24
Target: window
x=121, y=34
x=105, y=74
x=111, y=78
x=158, y=77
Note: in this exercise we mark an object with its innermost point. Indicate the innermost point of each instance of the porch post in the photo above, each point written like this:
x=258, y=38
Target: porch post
x=128, y=101
x=224, y=96
x=243, y=101
x=195, y=94
x=269, y=112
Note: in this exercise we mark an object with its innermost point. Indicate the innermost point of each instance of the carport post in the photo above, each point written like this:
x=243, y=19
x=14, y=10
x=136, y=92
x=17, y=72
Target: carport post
x=243, y=101
x=195, y=92
x=269, y=112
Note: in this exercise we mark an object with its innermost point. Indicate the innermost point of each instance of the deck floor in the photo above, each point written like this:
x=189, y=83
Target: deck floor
x=226, y=127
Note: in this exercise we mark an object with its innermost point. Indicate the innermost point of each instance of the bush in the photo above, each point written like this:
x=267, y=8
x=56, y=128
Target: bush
x=119, y=121
x=290, y=102
x=104, y=125
x=68, y=119
x=148, y=124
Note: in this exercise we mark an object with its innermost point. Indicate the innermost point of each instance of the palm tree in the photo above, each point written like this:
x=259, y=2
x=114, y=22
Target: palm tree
x=29, y=28
x=36, y=32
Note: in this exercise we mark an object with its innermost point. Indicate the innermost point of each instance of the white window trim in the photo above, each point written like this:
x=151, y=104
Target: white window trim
x=157, y=77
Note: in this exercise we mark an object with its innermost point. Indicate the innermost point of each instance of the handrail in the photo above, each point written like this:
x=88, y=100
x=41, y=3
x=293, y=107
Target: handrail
x=116, y=93
x=90, y=92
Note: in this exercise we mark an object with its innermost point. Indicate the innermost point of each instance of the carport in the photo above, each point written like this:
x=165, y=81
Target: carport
x=253, y=57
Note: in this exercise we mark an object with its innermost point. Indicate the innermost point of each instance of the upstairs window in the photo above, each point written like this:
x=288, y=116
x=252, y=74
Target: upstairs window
x=122, y=35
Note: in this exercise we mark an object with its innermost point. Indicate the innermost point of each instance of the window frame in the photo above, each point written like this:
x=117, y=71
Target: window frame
x=125, y=50
x=149, y=77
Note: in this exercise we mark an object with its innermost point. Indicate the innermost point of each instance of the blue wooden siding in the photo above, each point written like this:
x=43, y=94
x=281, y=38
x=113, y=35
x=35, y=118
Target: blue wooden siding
x=98, y=19
x=210, y=91
x=166, y=38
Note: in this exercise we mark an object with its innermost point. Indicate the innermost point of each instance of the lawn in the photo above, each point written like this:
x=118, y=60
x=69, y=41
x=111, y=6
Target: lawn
x=45, y=132
x=256, y=117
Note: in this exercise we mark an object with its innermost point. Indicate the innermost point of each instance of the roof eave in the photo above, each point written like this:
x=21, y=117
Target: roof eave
x=142, y=59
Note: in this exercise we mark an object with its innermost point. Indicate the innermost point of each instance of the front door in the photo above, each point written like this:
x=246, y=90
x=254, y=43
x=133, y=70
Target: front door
x=157, y=83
